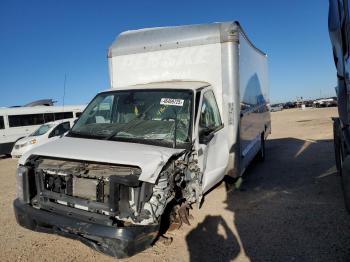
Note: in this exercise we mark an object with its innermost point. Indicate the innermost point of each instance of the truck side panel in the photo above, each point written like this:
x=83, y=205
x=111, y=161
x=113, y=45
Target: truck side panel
x=231, y=103
x=254, y=95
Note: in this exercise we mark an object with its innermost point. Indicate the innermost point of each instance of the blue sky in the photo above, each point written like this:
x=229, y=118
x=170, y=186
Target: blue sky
x=41, y=41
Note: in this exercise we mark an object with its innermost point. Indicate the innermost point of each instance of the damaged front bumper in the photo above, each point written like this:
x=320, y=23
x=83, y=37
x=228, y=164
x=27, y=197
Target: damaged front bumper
x=115, y=241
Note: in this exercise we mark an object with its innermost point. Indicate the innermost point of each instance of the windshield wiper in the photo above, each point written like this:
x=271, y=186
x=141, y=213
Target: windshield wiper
x=133, y=123
x=130, y=124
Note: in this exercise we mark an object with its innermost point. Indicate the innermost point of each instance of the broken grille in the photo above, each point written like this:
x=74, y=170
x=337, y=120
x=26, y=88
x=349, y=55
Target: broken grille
x=100, y=188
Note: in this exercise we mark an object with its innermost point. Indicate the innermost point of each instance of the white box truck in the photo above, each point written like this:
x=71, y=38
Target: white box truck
x=187, y=106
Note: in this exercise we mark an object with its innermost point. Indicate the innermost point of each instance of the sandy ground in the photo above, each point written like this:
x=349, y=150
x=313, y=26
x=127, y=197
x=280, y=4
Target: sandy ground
x=290, y=208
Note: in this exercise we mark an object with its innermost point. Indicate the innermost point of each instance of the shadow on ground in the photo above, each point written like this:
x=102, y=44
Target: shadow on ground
x=290, y=208
x=200, y=241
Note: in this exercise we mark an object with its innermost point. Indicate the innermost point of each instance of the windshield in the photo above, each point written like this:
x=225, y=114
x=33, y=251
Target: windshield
x=42, y=130
x=160, y=117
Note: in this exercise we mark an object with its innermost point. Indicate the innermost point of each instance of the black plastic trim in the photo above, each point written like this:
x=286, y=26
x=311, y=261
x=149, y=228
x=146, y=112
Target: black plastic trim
x=115, y=241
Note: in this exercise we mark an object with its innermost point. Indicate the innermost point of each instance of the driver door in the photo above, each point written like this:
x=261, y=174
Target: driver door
x=213, y=152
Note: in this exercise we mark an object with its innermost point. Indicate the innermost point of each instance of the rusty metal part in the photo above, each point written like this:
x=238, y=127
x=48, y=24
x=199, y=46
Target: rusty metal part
x=175, y=221
x=167, y=241
x=184, y=213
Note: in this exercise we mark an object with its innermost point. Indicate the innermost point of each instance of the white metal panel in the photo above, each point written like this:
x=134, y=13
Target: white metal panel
x=254, y=95
x=195, y=63
x=231, y=102
x=40, y=109
x=216, y=156
x=150, y=159
x=186, y=85
x=14, y=133
x=253, y=73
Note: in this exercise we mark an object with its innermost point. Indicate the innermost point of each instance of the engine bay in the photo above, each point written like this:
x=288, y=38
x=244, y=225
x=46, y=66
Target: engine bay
x=110, y=193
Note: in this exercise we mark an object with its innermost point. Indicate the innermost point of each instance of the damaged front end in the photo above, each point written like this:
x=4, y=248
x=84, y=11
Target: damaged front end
x=103, y=205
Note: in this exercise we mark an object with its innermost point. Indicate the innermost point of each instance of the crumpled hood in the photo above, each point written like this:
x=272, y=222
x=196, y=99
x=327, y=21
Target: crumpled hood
x=149, y=158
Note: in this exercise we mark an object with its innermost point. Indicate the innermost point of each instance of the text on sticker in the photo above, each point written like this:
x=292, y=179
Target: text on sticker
x=172, y=102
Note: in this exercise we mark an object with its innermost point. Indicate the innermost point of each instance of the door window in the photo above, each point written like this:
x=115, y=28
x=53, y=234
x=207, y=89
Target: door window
x=60, y=129
x=2, y=125
x=26, y=120
x=63, y=115
x=209, y=114
x=102, y=112
x=49, y=117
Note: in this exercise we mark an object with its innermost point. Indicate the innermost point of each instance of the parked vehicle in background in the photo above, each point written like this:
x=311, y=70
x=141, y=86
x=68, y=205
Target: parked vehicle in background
x=325, y=102
x=187, y=106
x=289, y=105
x=44, y=134
x=339, y=31
x=276, y=107
x=18, y=122
x=308, y=103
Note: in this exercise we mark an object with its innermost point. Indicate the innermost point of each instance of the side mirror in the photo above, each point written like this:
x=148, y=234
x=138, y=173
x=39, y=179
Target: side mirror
x=205, y=136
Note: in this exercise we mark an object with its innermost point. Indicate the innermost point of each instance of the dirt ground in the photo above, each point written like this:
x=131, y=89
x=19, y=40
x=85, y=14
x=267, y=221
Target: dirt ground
x=290, y=208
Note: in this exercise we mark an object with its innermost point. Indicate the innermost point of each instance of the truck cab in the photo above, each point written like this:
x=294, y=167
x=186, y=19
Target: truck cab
x=135, y=151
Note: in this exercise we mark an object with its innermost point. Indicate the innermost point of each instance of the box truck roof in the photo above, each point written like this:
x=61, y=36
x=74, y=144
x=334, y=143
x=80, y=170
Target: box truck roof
x=163, y=38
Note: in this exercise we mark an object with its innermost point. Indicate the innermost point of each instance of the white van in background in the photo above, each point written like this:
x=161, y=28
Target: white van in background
x=18, y=122
x=45, y=133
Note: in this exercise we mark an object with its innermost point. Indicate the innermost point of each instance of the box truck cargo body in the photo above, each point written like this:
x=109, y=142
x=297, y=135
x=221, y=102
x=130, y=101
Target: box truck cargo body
x=187, y=106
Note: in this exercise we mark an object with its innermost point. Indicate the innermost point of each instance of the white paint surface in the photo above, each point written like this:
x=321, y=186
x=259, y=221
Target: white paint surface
x=149, y=158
